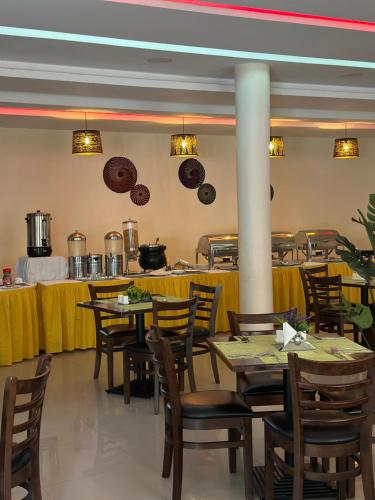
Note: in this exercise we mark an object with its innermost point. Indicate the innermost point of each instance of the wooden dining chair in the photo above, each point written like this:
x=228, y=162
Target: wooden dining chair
x=20, y=432
x=202, y=410
x=305, y=274
x=174, y=320
x=208, y=304
x=325, y=426
x=110, y=338
x=260, y=387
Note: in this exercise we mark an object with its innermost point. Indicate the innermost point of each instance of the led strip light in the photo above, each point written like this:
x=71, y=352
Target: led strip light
x=181, y=49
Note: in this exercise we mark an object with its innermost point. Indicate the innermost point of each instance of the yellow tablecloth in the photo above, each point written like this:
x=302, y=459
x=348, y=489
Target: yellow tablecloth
x=67, y=327
x=19, y=325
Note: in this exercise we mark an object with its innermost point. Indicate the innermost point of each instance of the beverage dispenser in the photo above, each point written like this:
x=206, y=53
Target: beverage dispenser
x=38, y=234
x=130, y=232
x=113, y=244
x=77, y=255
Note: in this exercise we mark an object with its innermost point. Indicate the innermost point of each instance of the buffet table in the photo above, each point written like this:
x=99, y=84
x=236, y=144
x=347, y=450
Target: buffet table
x=45, y=316
x=67, y=327
x=19, y=324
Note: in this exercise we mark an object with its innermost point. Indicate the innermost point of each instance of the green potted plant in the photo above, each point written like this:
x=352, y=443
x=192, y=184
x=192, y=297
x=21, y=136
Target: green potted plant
x=361, y=314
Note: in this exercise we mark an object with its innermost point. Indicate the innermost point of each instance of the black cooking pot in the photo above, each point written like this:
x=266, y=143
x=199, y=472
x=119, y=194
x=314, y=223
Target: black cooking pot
x=152, y=256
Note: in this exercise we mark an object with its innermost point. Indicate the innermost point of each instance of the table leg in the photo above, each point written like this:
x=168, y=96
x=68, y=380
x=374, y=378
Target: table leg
x=288, y=408
x=364, y=295
x=140, y=328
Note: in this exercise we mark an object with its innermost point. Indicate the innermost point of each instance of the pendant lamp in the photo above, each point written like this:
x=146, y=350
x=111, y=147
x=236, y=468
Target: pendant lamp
x=276, y=146
x=86, y=142
x=184, y=144
x=346, y=147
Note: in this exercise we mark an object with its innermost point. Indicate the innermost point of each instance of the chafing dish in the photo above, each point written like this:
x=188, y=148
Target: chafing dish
x=283, y=242
x=316, y=242
x=218, y=246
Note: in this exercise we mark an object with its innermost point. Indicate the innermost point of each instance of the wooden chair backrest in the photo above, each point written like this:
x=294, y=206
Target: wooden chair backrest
x=326, y=292
x=177, y=317
x=208, y=303
x=103, y=292
x=22, y=412
x=236, y=320
x=305, y=278
x=357, y=392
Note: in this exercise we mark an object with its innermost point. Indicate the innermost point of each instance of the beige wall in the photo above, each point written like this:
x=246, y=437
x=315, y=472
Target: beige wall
x=39, y=172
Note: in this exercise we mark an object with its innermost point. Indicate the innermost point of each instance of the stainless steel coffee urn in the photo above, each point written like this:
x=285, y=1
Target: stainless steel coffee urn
x=38, y=234
x=130, y=231
x=113, y=253
x=77, y=255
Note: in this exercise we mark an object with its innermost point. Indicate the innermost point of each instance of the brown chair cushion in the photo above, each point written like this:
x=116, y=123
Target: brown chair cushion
x=20, y=460
x=263, y=382
x=112, y=330
x=283, y=424
x=201, y=331
x=213, y=404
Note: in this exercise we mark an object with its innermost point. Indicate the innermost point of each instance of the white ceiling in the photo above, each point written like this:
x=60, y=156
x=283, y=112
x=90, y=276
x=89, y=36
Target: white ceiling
x=42, y=73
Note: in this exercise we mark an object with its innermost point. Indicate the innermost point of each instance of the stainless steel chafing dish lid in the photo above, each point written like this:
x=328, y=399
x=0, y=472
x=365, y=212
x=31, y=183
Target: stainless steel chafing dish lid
x=283, y=240
x=318, y=238
x=224, y=243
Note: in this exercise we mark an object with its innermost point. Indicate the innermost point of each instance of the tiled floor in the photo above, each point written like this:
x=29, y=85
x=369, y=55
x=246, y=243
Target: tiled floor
x=93, y=447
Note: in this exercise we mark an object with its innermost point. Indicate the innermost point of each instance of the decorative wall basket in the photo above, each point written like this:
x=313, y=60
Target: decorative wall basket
x=206, y=194
x=120, y=174
x=140, y=195
x=191, y=173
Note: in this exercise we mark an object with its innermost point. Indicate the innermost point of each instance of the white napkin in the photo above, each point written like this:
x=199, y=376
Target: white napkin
x=289, y=333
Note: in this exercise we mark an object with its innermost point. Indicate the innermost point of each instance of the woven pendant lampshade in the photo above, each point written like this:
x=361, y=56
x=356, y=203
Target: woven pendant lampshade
x=86, y=142
x=346, y=148
x=184, y=144
x=276, y=146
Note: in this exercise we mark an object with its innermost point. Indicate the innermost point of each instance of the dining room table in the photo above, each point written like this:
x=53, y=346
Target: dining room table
x=261, y=352
x=141, y=387
x=363, y=285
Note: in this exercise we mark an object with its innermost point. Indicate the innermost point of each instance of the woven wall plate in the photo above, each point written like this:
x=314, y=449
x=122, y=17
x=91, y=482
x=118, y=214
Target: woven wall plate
x=206, y=194
x=272, y=192
x=140, y=194
x=191, y=173
x=120, y=174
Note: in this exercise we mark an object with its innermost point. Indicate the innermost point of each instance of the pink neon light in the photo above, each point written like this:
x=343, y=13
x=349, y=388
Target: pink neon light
x=112, y=116
x=255, y=13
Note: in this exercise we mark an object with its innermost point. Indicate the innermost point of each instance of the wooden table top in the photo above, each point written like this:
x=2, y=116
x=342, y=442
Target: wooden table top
x=111, y=305
x=356, y=283
x=262, y=352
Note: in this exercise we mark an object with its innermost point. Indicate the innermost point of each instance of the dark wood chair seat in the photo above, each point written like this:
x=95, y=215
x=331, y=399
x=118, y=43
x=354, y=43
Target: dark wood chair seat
x=263, y=382
x=213, y=404
x=200, y=332
x=202, y=410
x=172, y=320
x=283, y=424
x=118, y=330
x=20, y=432
x=110, y=338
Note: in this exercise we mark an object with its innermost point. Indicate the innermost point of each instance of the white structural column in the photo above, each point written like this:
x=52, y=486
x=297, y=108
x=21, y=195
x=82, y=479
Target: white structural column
x=253, y=187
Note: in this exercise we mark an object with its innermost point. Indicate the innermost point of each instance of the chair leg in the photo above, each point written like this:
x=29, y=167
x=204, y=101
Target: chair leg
x=156, y=390
x=110, y=365
x=341, y=485
x=98, y=357
x=367, y=468
x=248, y=458
x=233, y=435
x=350, y=484
x=298, y=473
x=126, y=371
x=214, y=366
x=268, y=449
x=35, y=476
x=181, y=374
x=190, y=366
x=168, y=451
x=177, y=466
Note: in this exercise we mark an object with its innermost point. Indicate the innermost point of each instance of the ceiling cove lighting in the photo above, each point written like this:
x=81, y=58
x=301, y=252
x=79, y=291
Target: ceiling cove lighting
x=346, y=148
x=276, y=146
x=86, y=142
x=184, y=144
x=255, y=13
x=181, y=49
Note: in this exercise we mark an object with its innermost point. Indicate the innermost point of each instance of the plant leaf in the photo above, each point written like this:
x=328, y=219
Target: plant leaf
x=352, y=256
x=358, y=314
